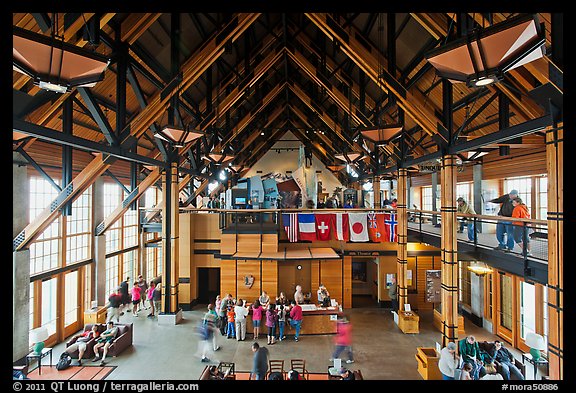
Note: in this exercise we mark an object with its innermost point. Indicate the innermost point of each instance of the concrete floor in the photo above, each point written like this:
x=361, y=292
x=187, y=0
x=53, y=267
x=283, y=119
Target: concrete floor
x=381, y=350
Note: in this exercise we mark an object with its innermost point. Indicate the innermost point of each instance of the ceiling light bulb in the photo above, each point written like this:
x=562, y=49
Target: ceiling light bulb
x=485, y=81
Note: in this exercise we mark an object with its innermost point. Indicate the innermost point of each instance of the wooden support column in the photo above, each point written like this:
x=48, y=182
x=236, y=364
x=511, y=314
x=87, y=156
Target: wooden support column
x=449, y=255
x=376, y=188
x=555, y=170
x=170, y=231
x=402, y=229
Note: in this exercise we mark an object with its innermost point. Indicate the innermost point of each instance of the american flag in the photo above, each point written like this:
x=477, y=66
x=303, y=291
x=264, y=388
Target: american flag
x=290, y=221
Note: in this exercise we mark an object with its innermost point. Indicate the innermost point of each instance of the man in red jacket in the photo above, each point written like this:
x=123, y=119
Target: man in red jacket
x=296, y=318
x=343, y=339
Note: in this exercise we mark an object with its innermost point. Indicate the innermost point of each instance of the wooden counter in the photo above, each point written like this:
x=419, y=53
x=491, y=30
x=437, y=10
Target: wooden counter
x=319, y=321
x=96, y=315
x=427, y=359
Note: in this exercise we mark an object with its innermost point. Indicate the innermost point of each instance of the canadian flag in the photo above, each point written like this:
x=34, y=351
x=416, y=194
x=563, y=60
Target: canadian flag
x=323, y=226
x=341, y=229
x=358, y=227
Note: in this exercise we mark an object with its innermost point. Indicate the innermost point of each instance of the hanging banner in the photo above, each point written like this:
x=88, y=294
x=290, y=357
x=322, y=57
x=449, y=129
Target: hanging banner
x=270, y=193
x=299, y=178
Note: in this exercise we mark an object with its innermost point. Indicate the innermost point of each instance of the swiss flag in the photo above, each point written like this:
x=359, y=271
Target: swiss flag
x=376, y=227
x=390, y=225
x=358, y=227
x=323, y=226
x=341, y=229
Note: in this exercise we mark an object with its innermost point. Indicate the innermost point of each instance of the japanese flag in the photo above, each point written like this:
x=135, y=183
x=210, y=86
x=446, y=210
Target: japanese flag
x=358, y=227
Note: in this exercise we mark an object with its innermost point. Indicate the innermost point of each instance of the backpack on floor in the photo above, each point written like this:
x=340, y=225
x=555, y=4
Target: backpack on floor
x=64, y=362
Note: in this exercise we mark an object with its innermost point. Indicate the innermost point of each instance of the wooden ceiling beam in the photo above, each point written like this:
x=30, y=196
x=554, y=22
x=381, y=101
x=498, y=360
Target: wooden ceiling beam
x=372, y=62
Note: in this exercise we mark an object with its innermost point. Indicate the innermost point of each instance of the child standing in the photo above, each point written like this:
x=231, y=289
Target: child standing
x=271, y=318
x=136, y=295
x=230, y=331
x=466, y=370
x=281, y=322
x=256, y=317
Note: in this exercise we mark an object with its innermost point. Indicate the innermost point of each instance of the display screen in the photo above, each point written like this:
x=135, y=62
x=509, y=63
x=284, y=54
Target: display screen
x=240, y=201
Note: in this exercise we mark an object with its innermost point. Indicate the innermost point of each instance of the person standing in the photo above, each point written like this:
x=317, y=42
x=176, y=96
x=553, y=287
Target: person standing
x=240, y=314
x=114, y=302
x=136, y=296
x=281, y=300
x=448, y=362
x=343, y=340
x=393, y=293
x=125, y=295
x=298, y=295
x=157, y=299
x=465, y=208
x=264, y=299
x=504, y=229
x=271, y=319
x=259, y=362
x=281, y=322
x=208, y=333
x=230, y=331
x=521, y=211
x=223, y=310
x=150, y=298
x=506, y=360
x=143, y=288
x=296, y=318
x=257, y=311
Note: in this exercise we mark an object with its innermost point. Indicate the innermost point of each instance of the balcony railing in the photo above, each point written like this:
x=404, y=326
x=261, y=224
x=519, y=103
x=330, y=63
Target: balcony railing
x=530, y=237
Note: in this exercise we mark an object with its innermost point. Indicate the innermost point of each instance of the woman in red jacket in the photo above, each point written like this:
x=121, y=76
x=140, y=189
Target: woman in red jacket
x=520, y=211
x=343, y=340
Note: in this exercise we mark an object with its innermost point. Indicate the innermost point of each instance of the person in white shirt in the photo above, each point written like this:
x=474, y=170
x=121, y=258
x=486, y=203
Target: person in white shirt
x=449, y=361
x=298, y=295
x=240, y=314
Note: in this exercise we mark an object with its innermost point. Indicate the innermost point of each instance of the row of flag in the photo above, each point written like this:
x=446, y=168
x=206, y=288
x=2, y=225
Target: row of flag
x=354, y=227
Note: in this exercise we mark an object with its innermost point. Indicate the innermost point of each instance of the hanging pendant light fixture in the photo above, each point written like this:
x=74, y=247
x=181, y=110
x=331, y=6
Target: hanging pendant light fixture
x=53, y=64
x=482, y=57
x=382, y=135
x=178, y=136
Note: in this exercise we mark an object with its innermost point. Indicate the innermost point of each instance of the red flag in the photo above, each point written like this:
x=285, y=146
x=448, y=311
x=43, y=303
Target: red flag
x=376, y=227
x=323, y=226
x=341, y=228
x=391, y=227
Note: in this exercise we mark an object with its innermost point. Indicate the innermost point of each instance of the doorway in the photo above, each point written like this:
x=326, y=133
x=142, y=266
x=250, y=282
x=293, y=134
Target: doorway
x=364, y=282
x=208, y=284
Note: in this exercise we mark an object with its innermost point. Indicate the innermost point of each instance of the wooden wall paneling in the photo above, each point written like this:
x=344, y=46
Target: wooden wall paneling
x=315, y=273
x=249, y=243
x=347, y=282
x=269, y=242
x=424, y=263
x=186, y=256
x=331, y=276
x=227, y=243
x=228, y=277
x=246, y=268
x=206, y=226
x=386, y=265
x=287, y=278
x=270, y=279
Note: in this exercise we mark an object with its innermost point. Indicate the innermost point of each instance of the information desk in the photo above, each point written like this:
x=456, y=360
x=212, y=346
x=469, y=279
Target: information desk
x=316, y=320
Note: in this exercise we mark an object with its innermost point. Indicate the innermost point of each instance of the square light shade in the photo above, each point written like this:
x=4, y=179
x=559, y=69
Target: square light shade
x=177, y=136
x=336, y=167
x=349, y=157
x=219, y=157
x=53, y=64
x=535, y=341
x=381, y=135
x=235, y=168
x=483, y=56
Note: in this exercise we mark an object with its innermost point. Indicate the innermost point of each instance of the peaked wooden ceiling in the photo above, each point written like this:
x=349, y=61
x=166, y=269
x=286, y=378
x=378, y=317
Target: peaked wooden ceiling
x=246, y=79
